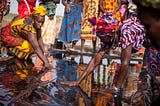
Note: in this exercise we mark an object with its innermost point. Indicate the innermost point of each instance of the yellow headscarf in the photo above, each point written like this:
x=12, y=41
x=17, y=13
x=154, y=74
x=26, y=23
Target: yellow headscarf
x=39, y=10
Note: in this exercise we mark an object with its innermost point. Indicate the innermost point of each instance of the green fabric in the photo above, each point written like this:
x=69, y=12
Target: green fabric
x=150, y=3
x=50, y=7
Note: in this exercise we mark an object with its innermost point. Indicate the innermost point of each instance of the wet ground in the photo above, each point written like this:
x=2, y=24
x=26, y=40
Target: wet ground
x=26, y=84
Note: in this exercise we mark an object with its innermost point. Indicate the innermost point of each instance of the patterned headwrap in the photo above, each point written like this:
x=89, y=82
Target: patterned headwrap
x=39, y=10
x=150, y=3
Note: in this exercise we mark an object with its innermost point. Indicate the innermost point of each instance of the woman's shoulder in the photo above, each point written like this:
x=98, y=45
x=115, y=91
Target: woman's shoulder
x=20, y=25
x=17, y=22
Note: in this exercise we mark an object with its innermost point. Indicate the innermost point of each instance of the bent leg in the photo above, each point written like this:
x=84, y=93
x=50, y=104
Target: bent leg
x=82, y=45
x=125, y=60
x=94, y=46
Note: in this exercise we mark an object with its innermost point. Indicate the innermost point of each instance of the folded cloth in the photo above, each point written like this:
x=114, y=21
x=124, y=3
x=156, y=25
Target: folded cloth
x=106, y=24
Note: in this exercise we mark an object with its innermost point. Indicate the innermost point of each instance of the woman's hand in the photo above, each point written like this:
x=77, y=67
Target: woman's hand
x=67, y=8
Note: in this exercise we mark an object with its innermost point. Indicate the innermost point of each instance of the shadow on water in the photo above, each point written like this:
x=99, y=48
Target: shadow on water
x=26, y=84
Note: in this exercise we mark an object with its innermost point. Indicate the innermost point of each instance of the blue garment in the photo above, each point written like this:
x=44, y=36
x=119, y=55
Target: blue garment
x=71, y=28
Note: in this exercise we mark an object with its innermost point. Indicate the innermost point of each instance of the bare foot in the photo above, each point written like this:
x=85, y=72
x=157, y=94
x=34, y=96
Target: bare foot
x=70, y=83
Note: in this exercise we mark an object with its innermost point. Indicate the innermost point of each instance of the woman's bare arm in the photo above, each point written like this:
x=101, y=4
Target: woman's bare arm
x=101, y=6
x=40, y=41
x=67, y=6
x=35, y=44
x=84, y=7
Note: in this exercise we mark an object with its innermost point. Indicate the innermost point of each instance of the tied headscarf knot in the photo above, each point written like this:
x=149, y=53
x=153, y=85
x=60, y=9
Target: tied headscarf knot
x=39, y=10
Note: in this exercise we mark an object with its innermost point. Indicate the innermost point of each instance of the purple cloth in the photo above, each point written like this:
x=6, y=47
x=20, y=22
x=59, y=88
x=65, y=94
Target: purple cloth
x=132, y=32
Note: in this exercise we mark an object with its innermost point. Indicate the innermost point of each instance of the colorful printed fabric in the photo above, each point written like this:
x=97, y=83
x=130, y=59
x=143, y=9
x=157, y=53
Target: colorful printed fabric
x=49, y=26
x=110, y=6
x=50, y=7
x=106, y=24
x=18, y=26
x=153, y=58
x=132, y=32
x=23, y=51
x=9, y=39
x=88, y=32
x=48, y=30
x=71, y=28
x=23, y=10
x=40, y=10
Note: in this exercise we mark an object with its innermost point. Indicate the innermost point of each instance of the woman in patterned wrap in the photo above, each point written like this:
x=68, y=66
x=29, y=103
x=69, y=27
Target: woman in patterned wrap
x=70, y=30
x=23, y=37
x=49, y=26
x=131, y=39
x=87, y=30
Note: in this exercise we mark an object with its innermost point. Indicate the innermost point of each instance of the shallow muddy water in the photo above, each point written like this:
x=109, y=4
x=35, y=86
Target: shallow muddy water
x=26, y=84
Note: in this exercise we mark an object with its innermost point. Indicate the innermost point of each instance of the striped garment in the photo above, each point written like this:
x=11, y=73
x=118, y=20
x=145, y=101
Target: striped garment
x=132, y=32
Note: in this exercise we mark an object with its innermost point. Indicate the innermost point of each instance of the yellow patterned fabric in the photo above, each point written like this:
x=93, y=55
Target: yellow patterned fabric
x=22, y=51
x=18, y=26
x=25, y=47
x=87, y=28
x=22, y=74
x=39, y=10
x=110, y=6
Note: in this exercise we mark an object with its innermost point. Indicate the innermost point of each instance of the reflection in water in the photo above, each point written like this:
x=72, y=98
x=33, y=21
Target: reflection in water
x=26, y=84
x=14, y=79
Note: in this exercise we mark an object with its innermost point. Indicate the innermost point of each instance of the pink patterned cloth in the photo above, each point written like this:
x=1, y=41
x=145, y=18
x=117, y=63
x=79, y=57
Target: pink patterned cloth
x=105, y=25
x=132, y=32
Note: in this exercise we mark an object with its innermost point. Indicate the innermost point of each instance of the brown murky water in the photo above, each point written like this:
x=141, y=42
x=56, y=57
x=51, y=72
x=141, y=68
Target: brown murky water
x=26, y=84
